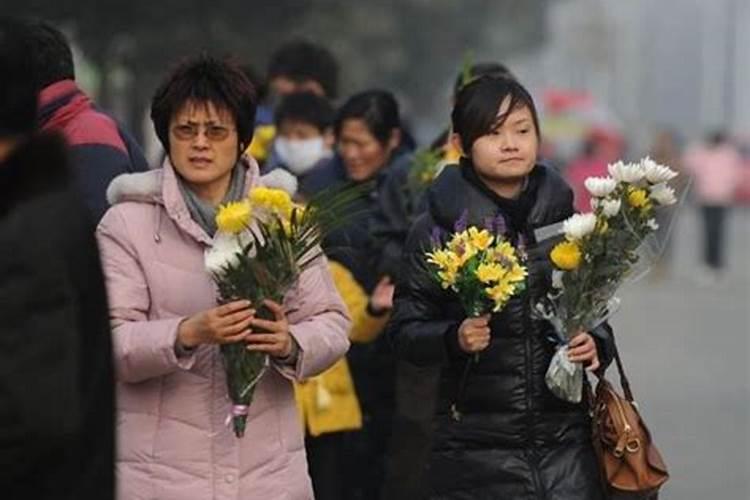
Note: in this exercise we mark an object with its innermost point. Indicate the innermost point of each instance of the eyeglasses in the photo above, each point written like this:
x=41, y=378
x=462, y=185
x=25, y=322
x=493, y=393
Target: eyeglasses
x=214, y=133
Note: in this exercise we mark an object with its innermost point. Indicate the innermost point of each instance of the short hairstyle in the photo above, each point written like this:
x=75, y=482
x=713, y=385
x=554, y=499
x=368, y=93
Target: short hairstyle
x=377, y=108
x=301, y=60
x=475, y=111
x=306, y=108
x=50, y=54
x=478, y=70
x=205, y=79
x=18, y=97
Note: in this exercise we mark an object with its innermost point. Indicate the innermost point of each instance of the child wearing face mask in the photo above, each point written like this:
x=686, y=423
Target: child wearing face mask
x=305, y=134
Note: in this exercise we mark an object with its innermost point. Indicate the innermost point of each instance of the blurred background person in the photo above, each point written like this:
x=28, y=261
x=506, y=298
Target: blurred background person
x=305, y=138
x=717, y=170
x=56, y=382
x=298, y=66
x=101, y=149
x=368, y=150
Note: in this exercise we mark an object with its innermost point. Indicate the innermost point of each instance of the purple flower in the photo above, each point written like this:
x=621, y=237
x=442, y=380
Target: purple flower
x=499, y=225
x=462, y=223
x=436, y=237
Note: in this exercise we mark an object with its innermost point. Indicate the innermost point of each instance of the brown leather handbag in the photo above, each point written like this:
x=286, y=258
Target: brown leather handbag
x=632, y=467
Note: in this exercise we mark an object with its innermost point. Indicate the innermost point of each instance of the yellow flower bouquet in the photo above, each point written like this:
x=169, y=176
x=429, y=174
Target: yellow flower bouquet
x=483, y=269
x=602, y=250
x=262, y=245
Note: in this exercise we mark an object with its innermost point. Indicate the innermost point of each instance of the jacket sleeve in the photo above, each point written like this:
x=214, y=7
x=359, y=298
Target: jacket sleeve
x=143, y=348
x=319, y=323
x=421, y=329
x=605, y=344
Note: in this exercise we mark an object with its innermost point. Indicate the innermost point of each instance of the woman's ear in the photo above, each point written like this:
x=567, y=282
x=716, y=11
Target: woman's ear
x=455, y=142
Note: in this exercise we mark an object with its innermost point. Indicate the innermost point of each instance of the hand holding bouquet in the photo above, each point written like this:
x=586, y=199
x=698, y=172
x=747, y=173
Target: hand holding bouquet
x=483, y=269
x=600, y=251
x=262, y=245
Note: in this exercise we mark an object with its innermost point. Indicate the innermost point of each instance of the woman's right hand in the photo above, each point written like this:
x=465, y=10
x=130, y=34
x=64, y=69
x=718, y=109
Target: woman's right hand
x=224, y=324
x=474, y=334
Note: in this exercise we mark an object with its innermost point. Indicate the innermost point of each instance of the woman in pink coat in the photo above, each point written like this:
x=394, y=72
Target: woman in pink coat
x=173, y=440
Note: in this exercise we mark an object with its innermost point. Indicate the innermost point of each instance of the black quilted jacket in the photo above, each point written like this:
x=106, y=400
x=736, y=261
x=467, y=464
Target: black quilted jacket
x=515, y=440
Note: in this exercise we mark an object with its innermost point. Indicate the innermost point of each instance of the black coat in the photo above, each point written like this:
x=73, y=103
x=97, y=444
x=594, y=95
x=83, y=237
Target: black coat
x=56, y=379
x=515, y=439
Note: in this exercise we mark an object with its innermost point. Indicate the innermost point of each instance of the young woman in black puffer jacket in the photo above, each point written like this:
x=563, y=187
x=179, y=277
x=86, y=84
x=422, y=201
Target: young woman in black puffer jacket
x=514, y=439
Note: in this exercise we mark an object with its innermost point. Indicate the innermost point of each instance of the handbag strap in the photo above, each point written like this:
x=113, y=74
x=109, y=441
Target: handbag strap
x=624, y=382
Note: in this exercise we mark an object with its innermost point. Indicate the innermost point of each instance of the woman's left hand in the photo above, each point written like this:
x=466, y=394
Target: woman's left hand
x=582, y=349
x=275, y=339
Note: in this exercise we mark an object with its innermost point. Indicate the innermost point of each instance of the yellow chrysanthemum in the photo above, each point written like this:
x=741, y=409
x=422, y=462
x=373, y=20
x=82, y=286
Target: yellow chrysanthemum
x=448, y=278
x=638, y=198
x=260, y=147
x=462, y=246
x=504, y=252
x=566, y=255
x=233, y=217
x=480, y=239
x=489, y=273
x=444, y=259
x=276, y=200
x=501, y=293
x=517, y=273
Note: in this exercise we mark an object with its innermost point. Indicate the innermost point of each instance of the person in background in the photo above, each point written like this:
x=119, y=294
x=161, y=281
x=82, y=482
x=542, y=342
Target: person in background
x=101, y=149
x=716, y=167
x=297, y=66
x=167, y=325
x=305, y=135
x=515, y=439
x=590, y=163
x=665, y=150
x=369, y=149
x=56, y=381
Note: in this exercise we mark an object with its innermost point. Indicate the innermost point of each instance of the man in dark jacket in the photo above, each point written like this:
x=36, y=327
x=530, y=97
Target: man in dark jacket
x=56, y=389
x=101, y=150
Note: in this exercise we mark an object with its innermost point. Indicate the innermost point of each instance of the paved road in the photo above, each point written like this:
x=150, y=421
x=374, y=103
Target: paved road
x=686, y=347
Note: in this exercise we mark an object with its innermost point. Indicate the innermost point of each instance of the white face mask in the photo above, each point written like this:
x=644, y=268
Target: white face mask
x=299, y=156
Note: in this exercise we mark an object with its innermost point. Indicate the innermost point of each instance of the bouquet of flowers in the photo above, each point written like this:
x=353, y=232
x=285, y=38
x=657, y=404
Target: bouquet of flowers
x=482, y=268
x=602, y=249
x=262, y=245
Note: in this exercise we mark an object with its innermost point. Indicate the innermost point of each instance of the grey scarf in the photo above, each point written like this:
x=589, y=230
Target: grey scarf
x=204, y=213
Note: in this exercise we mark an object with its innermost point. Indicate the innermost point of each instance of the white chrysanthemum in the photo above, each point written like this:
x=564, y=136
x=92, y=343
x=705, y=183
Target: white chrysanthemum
x=579, y=225
x=600, y=187
x=655, y=173
x=626, y=172
x=223, y=252
x=595, y=203
x=652, y=224
x=663, y=194
x=610, y=208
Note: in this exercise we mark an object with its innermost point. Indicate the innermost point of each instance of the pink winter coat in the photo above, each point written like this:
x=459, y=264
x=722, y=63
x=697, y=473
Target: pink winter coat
x=173, y=443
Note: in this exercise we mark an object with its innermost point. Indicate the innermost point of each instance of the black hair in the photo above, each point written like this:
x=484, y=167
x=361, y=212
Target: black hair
x=205, y=79
x=49, y=52
x=478, y=70
x=260, y=85
x=301, y=60
x=18, y=97
x=477, y=104
x=307, y=108
x=377, y=108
